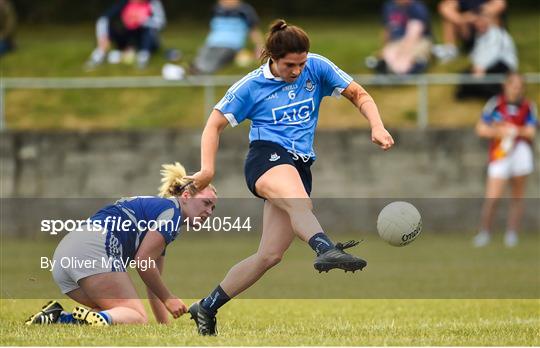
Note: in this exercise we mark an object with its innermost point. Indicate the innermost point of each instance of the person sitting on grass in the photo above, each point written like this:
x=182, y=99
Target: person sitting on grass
x=129, y=25
x=106, y=288
x=407, y=38
x=459, y=24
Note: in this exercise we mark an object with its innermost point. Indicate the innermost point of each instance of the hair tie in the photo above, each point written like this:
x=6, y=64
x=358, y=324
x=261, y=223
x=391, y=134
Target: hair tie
x=283, y=26
x=183, y=187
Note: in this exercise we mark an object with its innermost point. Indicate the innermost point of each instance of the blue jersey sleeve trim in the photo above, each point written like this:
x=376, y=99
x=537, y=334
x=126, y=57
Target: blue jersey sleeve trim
x=236, y=103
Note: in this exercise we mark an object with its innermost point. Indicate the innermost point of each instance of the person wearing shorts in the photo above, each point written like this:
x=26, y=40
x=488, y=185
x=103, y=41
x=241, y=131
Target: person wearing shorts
x=89, y=264
x=281, y=99
x=509, y=121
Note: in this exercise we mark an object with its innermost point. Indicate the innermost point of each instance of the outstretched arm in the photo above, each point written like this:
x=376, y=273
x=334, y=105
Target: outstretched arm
x=363, y=101
x=209, y=145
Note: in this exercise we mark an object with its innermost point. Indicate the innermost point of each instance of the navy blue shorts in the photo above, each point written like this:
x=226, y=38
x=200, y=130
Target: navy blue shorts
x=264, y=155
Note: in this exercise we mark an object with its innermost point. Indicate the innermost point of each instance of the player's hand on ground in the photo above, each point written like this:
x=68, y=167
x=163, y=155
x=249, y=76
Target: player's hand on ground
x=381, y=137
x=175, y=306
x=201, y=179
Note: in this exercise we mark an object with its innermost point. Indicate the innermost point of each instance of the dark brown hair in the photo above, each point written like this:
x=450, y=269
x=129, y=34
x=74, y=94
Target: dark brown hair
x=283, y=39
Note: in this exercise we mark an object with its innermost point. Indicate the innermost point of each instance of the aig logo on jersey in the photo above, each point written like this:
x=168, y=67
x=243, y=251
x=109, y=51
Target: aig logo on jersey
x=294, y=113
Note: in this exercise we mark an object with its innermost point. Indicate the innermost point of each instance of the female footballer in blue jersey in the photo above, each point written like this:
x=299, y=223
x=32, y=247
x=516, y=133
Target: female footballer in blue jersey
x=281, y=99
x=90, y=264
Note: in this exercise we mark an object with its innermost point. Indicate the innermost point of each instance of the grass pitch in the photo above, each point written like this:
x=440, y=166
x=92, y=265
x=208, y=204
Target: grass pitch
x=307, y=322
x=436, y=291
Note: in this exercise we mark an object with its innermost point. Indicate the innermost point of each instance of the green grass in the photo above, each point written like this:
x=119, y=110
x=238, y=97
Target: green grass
x=435, y=266
x=436, y=291
x=307, y=322
x=61, y=51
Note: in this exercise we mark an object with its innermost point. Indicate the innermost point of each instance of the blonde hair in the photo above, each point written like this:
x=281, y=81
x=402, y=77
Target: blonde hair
x=174, y=181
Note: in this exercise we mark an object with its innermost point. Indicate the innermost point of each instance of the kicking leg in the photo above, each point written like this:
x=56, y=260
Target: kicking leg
x=283, y=187
x=276, y=238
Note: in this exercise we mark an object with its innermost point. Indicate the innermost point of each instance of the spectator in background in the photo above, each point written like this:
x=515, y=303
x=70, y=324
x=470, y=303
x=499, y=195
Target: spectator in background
x=407, y=36
x=232, y=22
x=459, y=19
x=8, y=22
x=128, y=25
x=509, y=121
x=494, y=52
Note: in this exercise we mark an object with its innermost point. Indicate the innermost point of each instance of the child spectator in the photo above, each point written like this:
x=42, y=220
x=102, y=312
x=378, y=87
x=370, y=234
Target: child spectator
x=509, y=121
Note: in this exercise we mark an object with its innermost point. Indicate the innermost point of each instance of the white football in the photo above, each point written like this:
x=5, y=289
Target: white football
x=399, y=223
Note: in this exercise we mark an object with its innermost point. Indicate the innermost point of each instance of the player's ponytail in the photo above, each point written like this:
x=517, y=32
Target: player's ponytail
x=174, y=181
x=283, y=39
x=278, y=25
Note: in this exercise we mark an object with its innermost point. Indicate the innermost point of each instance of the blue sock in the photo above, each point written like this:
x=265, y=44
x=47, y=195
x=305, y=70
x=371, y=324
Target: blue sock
x=320, y=243
x=106, y=316
x=215, y=300
x=66, y=318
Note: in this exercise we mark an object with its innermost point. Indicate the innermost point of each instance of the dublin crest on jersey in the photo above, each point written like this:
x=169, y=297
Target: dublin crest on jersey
x=310, y=86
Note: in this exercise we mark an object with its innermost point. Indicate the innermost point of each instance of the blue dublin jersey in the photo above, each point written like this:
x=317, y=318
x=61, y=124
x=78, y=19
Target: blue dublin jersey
x=282, y=112
x=129, y=219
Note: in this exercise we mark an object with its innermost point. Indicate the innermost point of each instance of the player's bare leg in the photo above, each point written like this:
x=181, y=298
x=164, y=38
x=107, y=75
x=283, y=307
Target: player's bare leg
x=494, y=190
x=110, y=298
x=517, y=185
x=283, y=186
x=115, y=295
x=276, y=238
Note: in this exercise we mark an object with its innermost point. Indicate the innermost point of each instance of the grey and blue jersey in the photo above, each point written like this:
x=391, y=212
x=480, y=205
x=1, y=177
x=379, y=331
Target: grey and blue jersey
x=282, y=112
x=128, y=220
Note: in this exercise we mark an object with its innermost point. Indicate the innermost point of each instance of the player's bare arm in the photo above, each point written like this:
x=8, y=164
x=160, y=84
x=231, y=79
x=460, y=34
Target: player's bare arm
x=158, y=308
x=365, y=103
x=151, y=248
x=209, y=145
